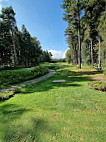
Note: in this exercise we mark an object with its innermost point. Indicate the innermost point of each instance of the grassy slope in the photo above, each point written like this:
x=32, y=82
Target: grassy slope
x=59, y=112
x=8, y=77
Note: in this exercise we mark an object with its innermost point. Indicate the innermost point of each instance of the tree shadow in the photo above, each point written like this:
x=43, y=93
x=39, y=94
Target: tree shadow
x=72, y=78
x=9, y=113
x=42, y=126
x=13, y=128
x=80, y=73
x=40, y=87
x=65, y=66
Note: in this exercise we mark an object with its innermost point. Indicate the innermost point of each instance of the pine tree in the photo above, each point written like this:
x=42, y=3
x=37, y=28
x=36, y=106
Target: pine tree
x=8, y=16
x=72, y=15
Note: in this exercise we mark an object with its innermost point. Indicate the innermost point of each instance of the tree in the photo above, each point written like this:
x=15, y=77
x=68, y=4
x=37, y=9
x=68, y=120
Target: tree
x=18, y=47
x=102, y=35
x=5, y=44
x=93, y=10
x=35, y=51
x=46, y=56
x=68, y=56
x=85, y=53
x=8, y=16
x=72, y=15
x=30, y=48
x=72, y=39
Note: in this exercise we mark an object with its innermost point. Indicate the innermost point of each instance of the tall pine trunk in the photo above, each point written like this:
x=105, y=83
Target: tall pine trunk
x=79, y=38
x=72, y=55
x=76, y=56
x=92, y=61
x=79, y=50
x=99, y=59
x=14, y=49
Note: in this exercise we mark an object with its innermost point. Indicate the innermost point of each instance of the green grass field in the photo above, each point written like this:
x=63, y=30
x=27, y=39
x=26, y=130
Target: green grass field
x=56, y=112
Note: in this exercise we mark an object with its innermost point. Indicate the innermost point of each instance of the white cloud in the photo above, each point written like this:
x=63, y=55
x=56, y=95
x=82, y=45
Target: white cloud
x=57, y=54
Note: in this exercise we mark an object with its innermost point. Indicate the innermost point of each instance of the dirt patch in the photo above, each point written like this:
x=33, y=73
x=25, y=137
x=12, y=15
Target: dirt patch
x=59, y=81
x=100, y=77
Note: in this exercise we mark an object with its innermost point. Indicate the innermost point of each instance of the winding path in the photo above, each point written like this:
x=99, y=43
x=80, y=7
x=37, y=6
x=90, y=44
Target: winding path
x=12, y=88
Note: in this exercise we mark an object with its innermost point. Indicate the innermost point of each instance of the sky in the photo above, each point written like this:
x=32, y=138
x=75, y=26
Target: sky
x=43, y=19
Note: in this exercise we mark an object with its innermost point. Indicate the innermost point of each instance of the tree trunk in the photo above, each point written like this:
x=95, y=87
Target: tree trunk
x=14, y=49
x=26, y=62
x=92, y=61
x=72, y=55
x=99, y=60
x=79, y=38
x=90, y=52
x=76, y=56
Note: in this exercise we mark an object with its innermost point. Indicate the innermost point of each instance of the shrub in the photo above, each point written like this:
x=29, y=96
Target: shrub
x=15, y=76
x=97, y=68
x=98, y=85
x=6, y=95
x=54, y=67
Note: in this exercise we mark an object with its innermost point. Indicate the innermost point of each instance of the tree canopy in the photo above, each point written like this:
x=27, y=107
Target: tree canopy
x=18, y=48
x=86, y=29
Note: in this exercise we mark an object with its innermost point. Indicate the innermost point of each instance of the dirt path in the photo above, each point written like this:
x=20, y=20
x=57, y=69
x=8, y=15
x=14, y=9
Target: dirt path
x=12, y=88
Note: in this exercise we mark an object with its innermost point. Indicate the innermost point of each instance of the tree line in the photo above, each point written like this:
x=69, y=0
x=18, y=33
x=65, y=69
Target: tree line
x=86, y=31
x=18, y=48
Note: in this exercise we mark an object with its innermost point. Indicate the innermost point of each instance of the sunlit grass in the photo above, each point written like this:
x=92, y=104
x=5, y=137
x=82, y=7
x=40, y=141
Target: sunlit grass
x=59, y=112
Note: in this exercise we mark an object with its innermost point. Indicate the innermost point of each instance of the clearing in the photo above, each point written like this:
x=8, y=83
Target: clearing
x=50, y=111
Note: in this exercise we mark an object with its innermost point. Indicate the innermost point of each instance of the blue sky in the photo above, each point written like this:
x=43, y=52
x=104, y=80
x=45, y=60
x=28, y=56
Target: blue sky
x=43, y=19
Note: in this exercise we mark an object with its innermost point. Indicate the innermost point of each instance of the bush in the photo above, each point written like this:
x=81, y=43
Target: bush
x=58, y=60
x=54, y=67
x=15, y=76
x=97, y=68
x=6, y=95
x=98, y=85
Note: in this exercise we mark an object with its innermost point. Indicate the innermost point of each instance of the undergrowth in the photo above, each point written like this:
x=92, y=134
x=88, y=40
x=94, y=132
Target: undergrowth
x=9, y=77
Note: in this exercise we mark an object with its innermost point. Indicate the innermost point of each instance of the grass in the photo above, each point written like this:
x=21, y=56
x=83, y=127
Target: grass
x=56, y=112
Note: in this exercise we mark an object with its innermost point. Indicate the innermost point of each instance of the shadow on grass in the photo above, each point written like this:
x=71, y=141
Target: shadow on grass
x=73, y=79
x=80, y=73
x=9, y=113
x=49, y=84
x=13, y=128
x=42, y=126
x=65, y=66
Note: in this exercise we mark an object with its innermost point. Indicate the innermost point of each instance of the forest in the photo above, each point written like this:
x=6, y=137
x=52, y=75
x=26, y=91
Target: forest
x=86, y=32
x=18, y=48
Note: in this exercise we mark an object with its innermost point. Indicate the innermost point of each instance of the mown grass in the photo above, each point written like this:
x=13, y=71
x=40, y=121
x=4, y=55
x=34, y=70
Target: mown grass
x=56, y=112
